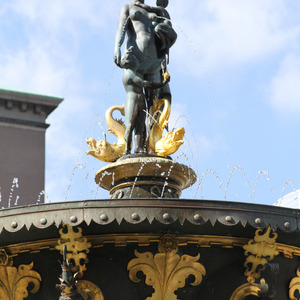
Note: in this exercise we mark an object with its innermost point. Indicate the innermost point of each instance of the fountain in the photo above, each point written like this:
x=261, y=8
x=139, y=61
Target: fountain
x=145, y=242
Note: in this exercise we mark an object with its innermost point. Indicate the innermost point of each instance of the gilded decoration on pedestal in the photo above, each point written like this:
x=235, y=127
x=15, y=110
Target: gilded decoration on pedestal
x=5, y=260
x=89, y=290
x=77, y=246
x=74, y=248
x=103, y=150
x=250, y=289
x=263, y=248
x=166, y=271
x=15, y=281
x=259, y=252
x=159, y=144
x=170, y=143
x=295, y=287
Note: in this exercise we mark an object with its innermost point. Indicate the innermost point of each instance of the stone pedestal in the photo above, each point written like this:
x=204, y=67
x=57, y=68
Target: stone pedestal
x=145, y=177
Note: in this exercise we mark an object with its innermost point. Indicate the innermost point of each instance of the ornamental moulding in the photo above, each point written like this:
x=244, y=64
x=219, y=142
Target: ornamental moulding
x=258, y=252
x=15, y=281
x=166, y=271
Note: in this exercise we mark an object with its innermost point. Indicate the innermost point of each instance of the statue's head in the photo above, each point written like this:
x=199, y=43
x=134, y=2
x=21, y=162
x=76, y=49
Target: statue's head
x=129, y=60
x=162, y=3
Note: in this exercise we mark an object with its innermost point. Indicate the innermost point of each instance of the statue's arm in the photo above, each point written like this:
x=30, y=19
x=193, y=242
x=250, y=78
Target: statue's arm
x=149, y=8
x=165, y=15
x=120, y=36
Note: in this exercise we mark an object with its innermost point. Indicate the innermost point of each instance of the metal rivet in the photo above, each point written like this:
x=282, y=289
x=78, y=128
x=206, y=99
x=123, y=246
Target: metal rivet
x=104, y=217
x=73, y=219
x=228, y=219
x=258, y=221
x=14, y=224
x=197, y=218
x=287, y=225
x=43, y=221
x=135, y=217
x=167, y=217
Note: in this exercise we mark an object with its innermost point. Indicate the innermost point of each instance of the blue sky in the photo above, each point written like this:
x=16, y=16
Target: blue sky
x=235, y=79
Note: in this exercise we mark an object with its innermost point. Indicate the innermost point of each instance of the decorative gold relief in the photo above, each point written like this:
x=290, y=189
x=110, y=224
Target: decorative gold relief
x=259, y=252
x=288, y=251
x=169, y=144
x=295, y=286
x=5, y=260
x=88, y=289
x=262, y=249
x=14, y=282
x=166, y=271
x=77, y=246
x=103, y=150
x=249, y=289
x=162, y=146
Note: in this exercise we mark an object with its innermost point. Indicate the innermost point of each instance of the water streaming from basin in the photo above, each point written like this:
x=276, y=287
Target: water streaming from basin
x=166, y=181
x=139, y=173
x=15, y=185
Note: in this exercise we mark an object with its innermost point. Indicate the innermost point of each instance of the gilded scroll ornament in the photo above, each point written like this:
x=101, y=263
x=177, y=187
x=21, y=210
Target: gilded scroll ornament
x=77, y=246
x=14, y=282
x=5, y=260
x=295, y=286
x=166, y=271
x=249, y=289
x=259, y=251
x=89, y=290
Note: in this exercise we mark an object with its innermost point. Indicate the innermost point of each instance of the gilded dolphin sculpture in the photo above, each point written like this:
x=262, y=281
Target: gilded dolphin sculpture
x=103, y=150
x=169, y=144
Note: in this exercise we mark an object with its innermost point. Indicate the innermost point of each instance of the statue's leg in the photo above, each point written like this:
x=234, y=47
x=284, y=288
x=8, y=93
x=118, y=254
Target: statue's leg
x=165, y=93
x=139, y=128
x=131, y=111
x=150, y=95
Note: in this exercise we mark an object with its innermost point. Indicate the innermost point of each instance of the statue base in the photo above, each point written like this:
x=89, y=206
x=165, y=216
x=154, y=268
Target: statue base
x=145, y=177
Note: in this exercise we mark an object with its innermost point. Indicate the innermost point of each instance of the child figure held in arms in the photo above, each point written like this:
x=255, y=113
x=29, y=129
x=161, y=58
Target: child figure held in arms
x=162, y=25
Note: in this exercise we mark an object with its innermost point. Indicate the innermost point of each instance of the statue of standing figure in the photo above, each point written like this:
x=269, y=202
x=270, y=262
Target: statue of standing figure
x=149, y=37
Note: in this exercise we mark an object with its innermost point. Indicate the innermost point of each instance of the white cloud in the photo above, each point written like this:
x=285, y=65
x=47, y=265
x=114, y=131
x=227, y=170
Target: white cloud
x=34, y=69
x=221, y=34
x=65, y=15
x=284, y=89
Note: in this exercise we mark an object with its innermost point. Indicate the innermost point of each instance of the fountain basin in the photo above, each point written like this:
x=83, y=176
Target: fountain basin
x=114, y=234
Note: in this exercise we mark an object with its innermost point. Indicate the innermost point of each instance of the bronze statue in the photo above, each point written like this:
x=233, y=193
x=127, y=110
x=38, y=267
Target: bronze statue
x=149, y=38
